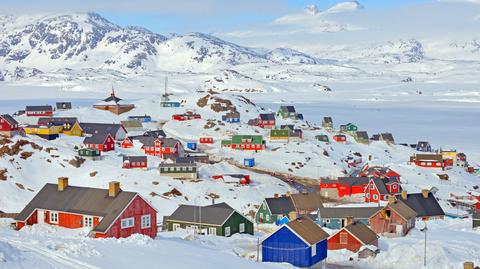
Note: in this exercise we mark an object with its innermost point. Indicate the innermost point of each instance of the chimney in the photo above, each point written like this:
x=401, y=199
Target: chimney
x=391, y=199
x=468, y=265
x=287, y=194
x=62, y=183
x=404, y=195
x=292, y=215
x=113, y=188
x=425, y=193
x=275, y=195
x=349, y=220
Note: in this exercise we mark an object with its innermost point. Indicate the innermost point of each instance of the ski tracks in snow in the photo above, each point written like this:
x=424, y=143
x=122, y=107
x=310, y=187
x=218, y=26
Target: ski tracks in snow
x=56, y=260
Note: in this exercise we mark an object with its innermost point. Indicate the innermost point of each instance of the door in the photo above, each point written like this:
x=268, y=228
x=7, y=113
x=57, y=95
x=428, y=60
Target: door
x=175, y=226
x=227, y=231
x=212, y=231
x=241, y=227
x=399, y=229
x=40, y=216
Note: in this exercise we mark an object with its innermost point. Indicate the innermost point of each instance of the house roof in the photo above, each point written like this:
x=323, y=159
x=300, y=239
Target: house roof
x=290, y=127
x=9, y=119
x=375, y=137
x=287, y=108
x=280, y=205
x=140, y=117
x=134, y=158
x=327, y=120
x=131, y=124
x=112, y=98
x=344, y=212
x=181, y=164
x=215, y=214
x=387, y=137
x=79, y=200
x=353, y=181
x=96, y=139
x=307, y=201
x=361, y=232
x=380, y=184
x=429, y=157
x=234, y=114
x=147, y=141
x=155, y=133
x=422, y=144
x=256, y=139
x=39, y=108
x=425, y=207
x=279, y=132
x=476, y=215
x=98, y=128
x=267, y=116
x=169, y=142
x=63, y=105
x=402, y=209
x=362, y=134
x=307, y=230
x=57, y=120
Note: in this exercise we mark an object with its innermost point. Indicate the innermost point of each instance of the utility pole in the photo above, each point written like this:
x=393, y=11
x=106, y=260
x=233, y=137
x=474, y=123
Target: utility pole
x=258, y=249
x=425, y=245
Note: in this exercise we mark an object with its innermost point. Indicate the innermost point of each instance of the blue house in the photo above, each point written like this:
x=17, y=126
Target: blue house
x=249, y=162
x=423, y=146
x=232, y=117
x=192, y=145
x=301, y=243
x=336, y=217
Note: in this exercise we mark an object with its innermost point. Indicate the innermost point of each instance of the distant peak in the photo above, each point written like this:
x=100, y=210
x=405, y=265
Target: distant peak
x=345, y=7
x=312, y=9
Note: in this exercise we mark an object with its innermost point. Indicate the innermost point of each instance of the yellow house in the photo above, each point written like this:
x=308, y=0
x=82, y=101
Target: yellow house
x=72, y=129
x=449, y=154
x=43, y=130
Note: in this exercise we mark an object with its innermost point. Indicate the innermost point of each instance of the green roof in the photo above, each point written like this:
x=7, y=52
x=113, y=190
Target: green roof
x=279, y=132
x=255, y=139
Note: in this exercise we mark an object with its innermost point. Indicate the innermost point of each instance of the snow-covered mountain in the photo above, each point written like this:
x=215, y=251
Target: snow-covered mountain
x=32, y=45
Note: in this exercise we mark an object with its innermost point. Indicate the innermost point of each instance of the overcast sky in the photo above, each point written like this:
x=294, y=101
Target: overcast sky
x=181, y=16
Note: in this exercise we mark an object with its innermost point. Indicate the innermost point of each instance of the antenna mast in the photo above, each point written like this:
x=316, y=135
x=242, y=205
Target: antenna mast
x=166, y=83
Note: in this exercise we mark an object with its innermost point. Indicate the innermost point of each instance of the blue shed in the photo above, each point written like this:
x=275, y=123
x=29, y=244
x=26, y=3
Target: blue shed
x=249, y=162
x=192, y=145
x=282, y=221
x=301, y=243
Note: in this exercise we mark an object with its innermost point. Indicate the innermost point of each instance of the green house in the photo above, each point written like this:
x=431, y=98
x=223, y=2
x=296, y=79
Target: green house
x=322, y=138
x=89, y=153
x=361, y=137
x=476, y=220
x=279, y=134
x=287, y=112
x=245, y=142
x=273, y=209
x=218, y=219
x=349, y=127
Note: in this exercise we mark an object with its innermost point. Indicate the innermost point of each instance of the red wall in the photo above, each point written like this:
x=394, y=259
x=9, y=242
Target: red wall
x=352, y=243
x=136, y=209
x=5, y=126
x=42, y=114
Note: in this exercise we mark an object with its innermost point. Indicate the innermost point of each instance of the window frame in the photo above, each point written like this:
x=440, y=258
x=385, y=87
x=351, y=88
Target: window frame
x=53, y=219
x=143, y=221
x=123, y=226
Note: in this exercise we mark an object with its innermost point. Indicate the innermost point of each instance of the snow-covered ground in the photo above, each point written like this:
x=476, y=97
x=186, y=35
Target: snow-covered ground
x=436, y=115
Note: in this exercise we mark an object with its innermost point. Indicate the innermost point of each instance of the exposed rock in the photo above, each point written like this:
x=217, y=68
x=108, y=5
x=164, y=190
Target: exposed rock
x=77, y=161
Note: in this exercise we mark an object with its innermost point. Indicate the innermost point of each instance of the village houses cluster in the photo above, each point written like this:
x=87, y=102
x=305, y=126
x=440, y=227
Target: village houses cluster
x=301, y=218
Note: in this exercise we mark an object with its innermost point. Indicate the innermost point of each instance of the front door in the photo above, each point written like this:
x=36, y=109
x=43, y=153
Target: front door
x=399, y=229
x=227, y=231
x=241, y=228
x=40, y=216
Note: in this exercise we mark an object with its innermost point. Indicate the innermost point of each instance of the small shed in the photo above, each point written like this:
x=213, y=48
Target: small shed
x=353, y=237
x=126, y=143
x=206, y=140
x=301, y=243
x=63, y=105
x=249, y=162
x=130, y=162
x=90, y=153
x=192, y=145
x=340, y=138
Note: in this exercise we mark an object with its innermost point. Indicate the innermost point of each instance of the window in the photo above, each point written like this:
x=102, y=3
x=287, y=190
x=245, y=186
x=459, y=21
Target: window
x=127, y=223
x=212, y=231
x=54, y=217
x=241, y=228
x=261, y=216
x=87, y=222
x=372, y=186
x=375, y=197
x=394, y=186
x=267, y=217
x=176, y=226
x=146, y=221
x=314, y=250
x=264, y=206
x=343, y=238
x=368, y=195
x=327, y=220
x=227, y=231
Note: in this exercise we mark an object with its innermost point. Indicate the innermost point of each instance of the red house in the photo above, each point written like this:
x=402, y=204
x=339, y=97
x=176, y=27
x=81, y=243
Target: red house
x=186, y=116
x=396, y=219
x=428, y=160
x=108, y=213
x=126, y=143
x=353, y=237
x=130, y=162
x=102, y=142
x=8, y=125
x=340, y=138
x=39, y=111
x=206, y=140
x=266, y=120
x=381, y=189
x=160, y=147
x=343, y=186
x=233, y=178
